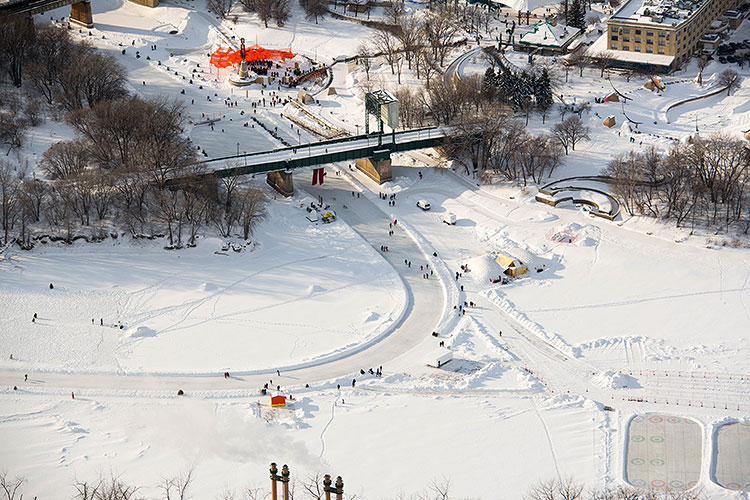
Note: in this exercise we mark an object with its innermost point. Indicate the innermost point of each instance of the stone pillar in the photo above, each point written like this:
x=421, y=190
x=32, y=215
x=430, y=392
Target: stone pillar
x=285, y=479
x=378, y=170
x=273, y=471
x=281, y=181
x=147, y=3
x=327, y=486
x=340, y=483
x=80, y=13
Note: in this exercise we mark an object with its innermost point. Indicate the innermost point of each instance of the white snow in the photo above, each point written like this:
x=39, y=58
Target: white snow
x=610, y=313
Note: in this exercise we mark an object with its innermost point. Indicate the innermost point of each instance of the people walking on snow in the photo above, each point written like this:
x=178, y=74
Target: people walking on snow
x=26, y=377
x=278, y=373
x=354, y=381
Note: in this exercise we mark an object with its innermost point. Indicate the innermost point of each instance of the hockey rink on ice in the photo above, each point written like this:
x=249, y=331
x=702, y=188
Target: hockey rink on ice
x=732, y=456
x=663, y=452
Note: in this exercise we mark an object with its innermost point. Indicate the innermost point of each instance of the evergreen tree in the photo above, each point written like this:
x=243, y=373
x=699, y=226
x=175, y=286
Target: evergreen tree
x=490, y=83
x=577, y=17
x=543, y=93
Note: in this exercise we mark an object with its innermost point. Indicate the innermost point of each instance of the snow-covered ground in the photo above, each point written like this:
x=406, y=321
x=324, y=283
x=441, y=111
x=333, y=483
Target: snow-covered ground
x=619, y=310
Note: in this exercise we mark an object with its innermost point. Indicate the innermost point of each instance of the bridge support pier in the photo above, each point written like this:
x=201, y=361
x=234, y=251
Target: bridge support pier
x=378, y=170
x=80, y=13
x=281, y=181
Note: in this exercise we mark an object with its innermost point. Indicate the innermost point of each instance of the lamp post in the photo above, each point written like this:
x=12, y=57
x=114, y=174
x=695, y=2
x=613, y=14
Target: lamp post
x=238, y=149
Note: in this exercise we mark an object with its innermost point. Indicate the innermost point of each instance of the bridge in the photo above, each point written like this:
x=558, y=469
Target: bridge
x=371, y=152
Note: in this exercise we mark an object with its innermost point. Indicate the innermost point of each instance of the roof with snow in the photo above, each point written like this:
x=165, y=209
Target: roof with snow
x=547, y=35
x=599, y=47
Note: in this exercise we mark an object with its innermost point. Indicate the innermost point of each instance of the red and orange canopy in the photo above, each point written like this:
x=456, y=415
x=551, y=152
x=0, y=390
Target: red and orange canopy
x=224, y=57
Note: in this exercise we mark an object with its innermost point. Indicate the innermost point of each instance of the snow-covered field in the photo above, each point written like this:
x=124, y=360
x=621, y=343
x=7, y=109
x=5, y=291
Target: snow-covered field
x=631, y=314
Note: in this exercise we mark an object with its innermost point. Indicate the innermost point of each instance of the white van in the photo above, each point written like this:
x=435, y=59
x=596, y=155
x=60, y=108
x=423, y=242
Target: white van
x=449, y=218
x=423, y=204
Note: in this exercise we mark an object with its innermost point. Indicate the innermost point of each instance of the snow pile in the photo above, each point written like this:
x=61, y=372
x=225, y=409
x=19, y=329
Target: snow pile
x=612, y=379
x=497, y=297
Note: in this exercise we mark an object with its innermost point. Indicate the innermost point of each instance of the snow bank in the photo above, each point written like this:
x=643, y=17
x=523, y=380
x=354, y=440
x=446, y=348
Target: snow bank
x=612, y=379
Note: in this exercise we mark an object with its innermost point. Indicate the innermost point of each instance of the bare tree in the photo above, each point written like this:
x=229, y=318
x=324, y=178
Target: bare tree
x=314, y=9
x=702, y=63
x=10, y=197
x=176, y=487
x=112, y=488
x=64, y=159
x=220, y=8
x=313, y=486
x=387, y=44
x=440, y=27
x=570, y=132
x=729, y=79
x=603, y=60
x=363, y=58
x=11, y=485
x=250, y=209
x=16, y=40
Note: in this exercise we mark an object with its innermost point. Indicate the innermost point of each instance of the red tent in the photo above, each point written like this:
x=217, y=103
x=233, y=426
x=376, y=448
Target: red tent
x=224, y=57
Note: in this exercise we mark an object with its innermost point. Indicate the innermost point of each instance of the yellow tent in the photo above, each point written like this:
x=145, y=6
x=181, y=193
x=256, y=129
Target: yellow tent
x=610, y=121
x=513, y=267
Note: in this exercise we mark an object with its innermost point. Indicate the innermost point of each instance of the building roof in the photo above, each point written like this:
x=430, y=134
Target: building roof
x=507, y=261
x=600, y=47
x=546, y=35
x=658, y=12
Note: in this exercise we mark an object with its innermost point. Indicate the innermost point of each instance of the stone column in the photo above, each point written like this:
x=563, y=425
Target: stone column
x=281, y=181
x=80, y=13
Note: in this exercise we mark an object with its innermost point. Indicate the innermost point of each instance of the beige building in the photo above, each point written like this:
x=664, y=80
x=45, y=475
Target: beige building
x=668, y=28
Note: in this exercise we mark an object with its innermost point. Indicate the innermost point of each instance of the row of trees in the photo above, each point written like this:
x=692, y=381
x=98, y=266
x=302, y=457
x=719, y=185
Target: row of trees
x=497, y=144
x=706, y=179
x=97, y=199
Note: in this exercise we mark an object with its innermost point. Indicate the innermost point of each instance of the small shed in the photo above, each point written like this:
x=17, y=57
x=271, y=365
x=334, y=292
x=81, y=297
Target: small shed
x=278, y=400
x=747, y=135
x=512, y=267
x=438, y=357
x=613, y=97
x=610, y=121
x=332, y=91
x=654, y=84
x=304, y=98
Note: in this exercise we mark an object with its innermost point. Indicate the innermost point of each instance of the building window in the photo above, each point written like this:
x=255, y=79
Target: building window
x=649, y=42
x=661, y=42
x=649, y=33
x=614, y=38
x=667, y=36
x=637, y=48
x=637, y=39
x=626, y=31
x=649, y=50
x=661, y=34
x=637, y=32
x=614, y=46
x=660, y=51
x=626, y=39
x=626, y=47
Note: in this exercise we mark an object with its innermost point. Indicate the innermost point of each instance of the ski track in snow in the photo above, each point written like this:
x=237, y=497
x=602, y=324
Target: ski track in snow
x=328, y=424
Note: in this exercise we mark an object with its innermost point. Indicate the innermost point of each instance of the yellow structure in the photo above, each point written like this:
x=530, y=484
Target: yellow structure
x=610, y=121
x=512, y=267
x=664, y=27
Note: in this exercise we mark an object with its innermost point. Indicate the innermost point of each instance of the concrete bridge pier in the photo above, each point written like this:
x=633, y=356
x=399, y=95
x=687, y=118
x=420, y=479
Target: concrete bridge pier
x=377, y=168
x=80, y=13
x=281, y=181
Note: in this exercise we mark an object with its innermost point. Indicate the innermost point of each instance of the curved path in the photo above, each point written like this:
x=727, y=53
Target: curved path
x=426, y=302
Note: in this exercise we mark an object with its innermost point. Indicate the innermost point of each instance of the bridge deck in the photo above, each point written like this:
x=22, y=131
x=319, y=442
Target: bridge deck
x=319, y=153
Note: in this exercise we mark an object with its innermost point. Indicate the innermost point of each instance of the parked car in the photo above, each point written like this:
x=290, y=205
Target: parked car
x=731, y=59
x=449, y=218
x=722, y=60
x=423, y=204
